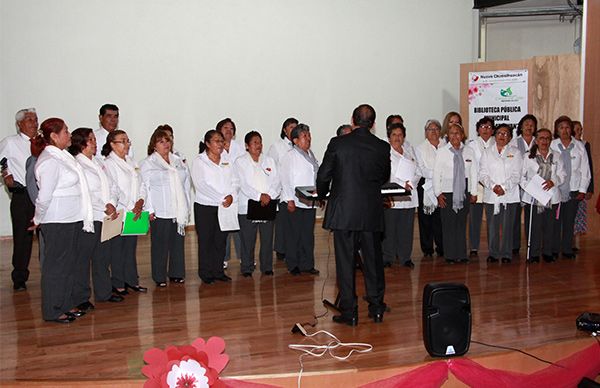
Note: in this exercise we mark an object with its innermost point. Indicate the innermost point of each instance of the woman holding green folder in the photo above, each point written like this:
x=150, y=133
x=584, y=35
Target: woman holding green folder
x=132, y=193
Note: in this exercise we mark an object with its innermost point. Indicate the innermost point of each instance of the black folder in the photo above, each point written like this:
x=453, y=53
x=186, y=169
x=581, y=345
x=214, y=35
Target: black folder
x=256, y=212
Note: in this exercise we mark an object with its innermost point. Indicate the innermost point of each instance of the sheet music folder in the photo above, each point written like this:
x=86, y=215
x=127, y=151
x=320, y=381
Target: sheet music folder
x=256, y=212
x=310, y=192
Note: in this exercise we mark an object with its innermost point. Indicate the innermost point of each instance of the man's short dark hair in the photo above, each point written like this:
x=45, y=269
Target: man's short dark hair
x=106, y=107
x=364, y=116
x=391, y=118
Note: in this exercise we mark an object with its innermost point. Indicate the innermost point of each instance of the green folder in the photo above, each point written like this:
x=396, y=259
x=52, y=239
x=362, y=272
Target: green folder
x=138, y=227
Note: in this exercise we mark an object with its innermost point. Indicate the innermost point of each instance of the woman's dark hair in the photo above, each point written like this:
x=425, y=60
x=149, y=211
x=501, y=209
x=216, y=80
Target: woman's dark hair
x=391, y=128
x=157, y=135
x=165, y=127
x=482, y=121
x=562, y=119
x=522, y=121
x=79, y=140
x=298, y=130
x=446, y=122
x=286, y=123
x=106, y=148
x=208, y=137
x=391, y=118
x=250, y=135
x=503, y=125
x=534, y=147
x=49, y=126
x=223, y=122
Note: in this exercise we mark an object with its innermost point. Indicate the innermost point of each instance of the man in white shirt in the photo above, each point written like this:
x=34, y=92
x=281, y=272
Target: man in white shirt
x=15, y=150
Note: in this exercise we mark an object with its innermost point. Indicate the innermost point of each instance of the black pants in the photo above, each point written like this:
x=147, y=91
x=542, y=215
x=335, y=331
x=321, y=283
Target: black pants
x=475, y=221
x=564, y=226
x=211, y=242
x=398, y=240
x=300, y=241
x=542, y=230
x=346, y=243
x=454, y=229
x=58, y=268
x=430, y=227
x=280, y=228
x=167, y=250
x=87, y=244
x=123, y=263
x=21, y=214
x=500, y=229
x=517, y=228
x=248, y=231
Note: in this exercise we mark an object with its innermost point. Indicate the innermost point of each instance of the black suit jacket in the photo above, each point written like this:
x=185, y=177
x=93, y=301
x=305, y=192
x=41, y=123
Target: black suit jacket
x=356, y=165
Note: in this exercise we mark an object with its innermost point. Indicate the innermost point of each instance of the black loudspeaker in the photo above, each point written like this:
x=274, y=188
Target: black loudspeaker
x=446, y=319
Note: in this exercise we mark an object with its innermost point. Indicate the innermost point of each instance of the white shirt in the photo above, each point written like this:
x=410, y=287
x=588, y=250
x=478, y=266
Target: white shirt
x=101, y=135
x=124, y=181
x=425, y=154
x=235, y=151
x=94, y=185
x=580, y=165
x=279, y=149
x=526, y=147
x=530, y=169
x=443, y=170
x=501, y=168
x=411, y=201
x=161, y=200
x=16, y=149
x=256, y=178
x=59, y=195
x=478, y=145
x=213, y=182
x=295, y=171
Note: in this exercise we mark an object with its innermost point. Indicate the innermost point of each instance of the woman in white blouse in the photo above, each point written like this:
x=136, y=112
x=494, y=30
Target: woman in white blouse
x=124, y=172
x=500, y=174
x=277, y=151
x=168, y=182
x=483, y=141
x=455, y=185
x=574, y=187
x=63, y=210
x=430, y=225
x=299, y=168
x=216, y=185
x=399, y=217
x=542, y=161
x=259, y=182
x=103, y=193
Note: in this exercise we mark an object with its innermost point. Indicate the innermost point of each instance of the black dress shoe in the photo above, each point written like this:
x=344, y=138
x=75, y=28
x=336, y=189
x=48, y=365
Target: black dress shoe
x=223, y=278
x=85, y=306
x=491, y=259
x=75, y=314
x=409, y=264
x=473, y=253
x=506, y=260
x=515, y=251
x=569, y=256
x=66, y=319
x=450, y=261
x=428, y=255
x=207, y=280
x=534, y=259
x=387, y=265
x=464, y=261
x=115, y=299
x=247, y=274
x=19, y=286
x=377, y=317
x=549, y=258
x=120, y=292
x=280, y=256
x=295, y=271
x=350, y=321
x=269, y=273
x=137, y=288
x=177, y=280
x=161, y=284
x=312, y=271
x=575, y=249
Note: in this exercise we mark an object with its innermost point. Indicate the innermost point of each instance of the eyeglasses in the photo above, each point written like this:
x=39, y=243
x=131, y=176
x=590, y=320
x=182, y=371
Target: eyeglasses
x=122, y=142
x=487, y=126
x=503, y=134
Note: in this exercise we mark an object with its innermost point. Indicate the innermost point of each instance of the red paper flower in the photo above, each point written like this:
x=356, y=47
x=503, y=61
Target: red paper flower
x=196, y=365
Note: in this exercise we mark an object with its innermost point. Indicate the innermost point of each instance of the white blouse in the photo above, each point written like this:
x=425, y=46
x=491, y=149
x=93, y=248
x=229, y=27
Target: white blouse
x=94, y=185
x=295, y=171
x=256, y=178
x=59, y=196
x=425, y=154
x=504, y=169
x=161, y=200
x=16, y=149
x=213, y=182
x=411, y=201
x=530, y=169
x=443, y=170
x=236, y=150
x=580, y=166
x=279, y=149
x=125, y=181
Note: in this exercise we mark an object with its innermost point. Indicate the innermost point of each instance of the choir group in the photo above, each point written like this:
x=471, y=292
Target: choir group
x=67, y=183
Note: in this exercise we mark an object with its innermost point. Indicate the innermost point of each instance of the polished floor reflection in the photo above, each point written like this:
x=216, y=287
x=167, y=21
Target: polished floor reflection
x=514, y=305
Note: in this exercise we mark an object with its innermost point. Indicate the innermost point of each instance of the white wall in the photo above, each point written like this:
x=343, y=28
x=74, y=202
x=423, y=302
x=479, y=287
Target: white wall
x=190, y=63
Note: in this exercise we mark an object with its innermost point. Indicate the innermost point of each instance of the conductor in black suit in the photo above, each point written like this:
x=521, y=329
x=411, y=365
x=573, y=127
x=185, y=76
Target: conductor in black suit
x=356, y=165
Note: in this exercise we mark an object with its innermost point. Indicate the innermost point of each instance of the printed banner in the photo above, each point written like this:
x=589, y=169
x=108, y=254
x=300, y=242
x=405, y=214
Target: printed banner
x=501, y=95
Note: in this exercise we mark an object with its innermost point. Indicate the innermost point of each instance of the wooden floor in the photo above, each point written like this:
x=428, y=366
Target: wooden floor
x=515, y=305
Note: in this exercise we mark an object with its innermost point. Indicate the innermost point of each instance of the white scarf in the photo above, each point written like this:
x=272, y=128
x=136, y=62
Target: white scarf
x=86, y=201
x=132, y=172
x=91, y=165
x=176, y=187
